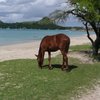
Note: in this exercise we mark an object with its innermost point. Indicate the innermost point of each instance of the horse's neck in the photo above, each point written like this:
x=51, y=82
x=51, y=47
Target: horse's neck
x=41, y=53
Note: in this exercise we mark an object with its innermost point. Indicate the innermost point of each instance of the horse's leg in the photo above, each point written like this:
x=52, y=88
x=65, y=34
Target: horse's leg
x=66, y=61
x=49, y=59
x=64, y=58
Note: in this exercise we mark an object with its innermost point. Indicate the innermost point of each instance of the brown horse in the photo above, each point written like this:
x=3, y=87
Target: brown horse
x=51, y=44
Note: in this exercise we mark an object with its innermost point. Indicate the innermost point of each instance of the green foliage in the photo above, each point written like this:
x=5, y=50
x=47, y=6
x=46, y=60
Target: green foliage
x=90, y=9
x=85, y=10
x=44, y=23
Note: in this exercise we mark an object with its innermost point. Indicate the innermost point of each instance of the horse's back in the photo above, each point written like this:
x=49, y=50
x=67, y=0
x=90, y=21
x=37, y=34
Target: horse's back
x=55, y=42
x=62, y=37
x=63, y=41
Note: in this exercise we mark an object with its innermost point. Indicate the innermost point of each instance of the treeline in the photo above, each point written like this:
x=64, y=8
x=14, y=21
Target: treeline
x=44, y=23
x=26, y=25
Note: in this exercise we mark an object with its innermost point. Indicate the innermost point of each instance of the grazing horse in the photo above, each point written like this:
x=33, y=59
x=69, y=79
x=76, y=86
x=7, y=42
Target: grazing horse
x=51, y=44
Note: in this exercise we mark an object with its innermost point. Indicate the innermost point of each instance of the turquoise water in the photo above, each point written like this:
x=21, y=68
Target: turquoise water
x=11, y=36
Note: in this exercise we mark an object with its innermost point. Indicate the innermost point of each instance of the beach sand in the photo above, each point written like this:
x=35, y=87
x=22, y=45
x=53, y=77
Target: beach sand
x=28, y=50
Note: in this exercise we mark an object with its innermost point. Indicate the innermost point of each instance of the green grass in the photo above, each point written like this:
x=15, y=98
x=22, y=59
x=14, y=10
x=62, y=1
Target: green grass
x=23, y=80
x=81, y=47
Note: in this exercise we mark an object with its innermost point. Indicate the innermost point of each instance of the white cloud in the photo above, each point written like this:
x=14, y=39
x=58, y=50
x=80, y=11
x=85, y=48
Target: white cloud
x=2, y=0
x=24, y=10
x=50, y=2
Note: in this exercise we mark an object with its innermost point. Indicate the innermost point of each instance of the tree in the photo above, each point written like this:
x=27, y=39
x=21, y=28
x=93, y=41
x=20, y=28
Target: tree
x=88, y=11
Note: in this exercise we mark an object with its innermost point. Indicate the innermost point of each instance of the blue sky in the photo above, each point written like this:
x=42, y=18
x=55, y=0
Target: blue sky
x=31, y=10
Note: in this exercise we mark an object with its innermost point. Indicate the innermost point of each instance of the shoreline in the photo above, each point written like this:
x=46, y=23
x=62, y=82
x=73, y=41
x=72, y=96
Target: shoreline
x=28, y=50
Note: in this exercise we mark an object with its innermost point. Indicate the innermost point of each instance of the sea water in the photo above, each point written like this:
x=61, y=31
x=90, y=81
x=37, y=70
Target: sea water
x=13, y=36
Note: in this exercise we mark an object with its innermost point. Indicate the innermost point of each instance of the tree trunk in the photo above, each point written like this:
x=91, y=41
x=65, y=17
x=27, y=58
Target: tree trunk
x=96, y=46
x=96, y=43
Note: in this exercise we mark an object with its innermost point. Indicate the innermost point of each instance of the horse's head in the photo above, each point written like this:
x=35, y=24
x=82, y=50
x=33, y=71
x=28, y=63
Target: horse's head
x=39, y=60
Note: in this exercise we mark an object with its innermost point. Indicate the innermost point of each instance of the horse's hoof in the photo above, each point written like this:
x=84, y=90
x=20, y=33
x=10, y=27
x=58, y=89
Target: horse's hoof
x=50, y=68
x=62, y=69
x=68, y=70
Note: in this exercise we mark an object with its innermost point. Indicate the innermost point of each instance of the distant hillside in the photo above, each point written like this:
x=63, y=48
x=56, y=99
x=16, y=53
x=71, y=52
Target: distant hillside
x=1, y=22
x=44, y=23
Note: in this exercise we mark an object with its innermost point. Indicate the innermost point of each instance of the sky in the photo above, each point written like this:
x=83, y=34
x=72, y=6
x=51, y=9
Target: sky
x=31, y=10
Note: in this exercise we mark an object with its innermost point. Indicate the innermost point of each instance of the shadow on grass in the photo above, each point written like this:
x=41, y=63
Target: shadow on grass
x=90, y=53
x=71, y=67
x=97, y=57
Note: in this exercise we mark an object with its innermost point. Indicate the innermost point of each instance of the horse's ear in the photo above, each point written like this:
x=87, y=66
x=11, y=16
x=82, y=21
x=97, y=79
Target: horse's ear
x=36, y=55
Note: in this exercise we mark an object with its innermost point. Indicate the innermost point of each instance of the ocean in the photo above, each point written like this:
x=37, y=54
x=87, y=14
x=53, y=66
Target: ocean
x=13, y=36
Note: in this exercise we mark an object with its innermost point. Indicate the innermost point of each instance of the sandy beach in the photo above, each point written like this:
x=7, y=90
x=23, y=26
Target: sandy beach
x=28, y=50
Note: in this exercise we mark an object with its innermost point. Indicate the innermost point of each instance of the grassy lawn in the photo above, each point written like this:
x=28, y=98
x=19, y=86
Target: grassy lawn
x=81, y=47
x=23, y=80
